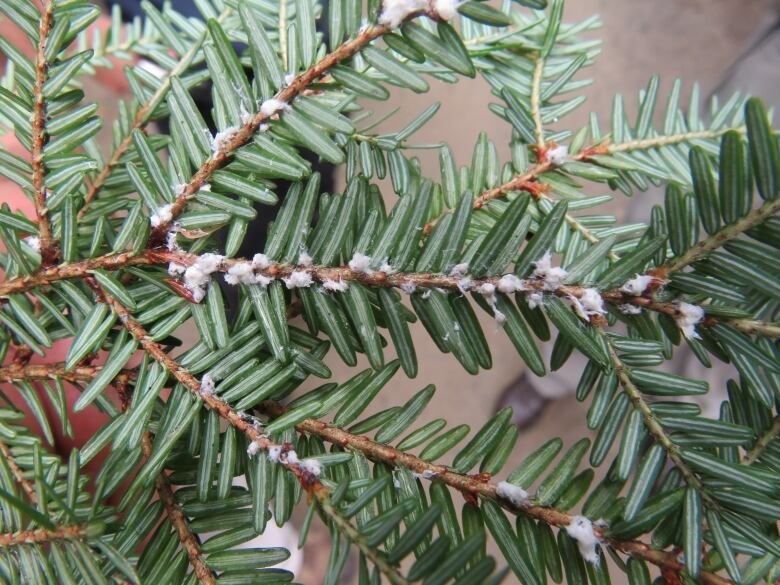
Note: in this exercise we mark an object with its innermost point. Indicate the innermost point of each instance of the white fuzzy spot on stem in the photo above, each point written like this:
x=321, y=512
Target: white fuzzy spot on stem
x=335, y=285
x=298, y=279
x=581, y=530
x=394, y=12
x=552, y=276
x=558, y=155
x=512, y=493
x=161, y=215
x=637, y=285
x=688, y=316
x=271, y=106
x=360, y=263
x=446, y=9
x=221, y=139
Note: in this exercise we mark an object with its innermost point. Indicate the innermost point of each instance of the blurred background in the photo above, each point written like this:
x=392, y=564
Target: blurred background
x=722, y=44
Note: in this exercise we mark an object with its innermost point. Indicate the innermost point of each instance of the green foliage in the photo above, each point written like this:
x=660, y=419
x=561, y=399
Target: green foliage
x=521, y=240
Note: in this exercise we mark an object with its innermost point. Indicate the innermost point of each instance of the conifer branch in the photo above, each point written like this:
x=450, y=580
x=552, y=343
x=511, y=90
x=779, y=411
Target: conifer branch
x=667, y=140
x=42, y=535
x=56, y=370
x=144, y=113
x=723, y=235
x=48, y=253
x=763, y=442
x=18, y=473
x=374, y=279
x=652, y=424
x=370, y=552
x=475, y=486
x=179, y=521
x=247, y=131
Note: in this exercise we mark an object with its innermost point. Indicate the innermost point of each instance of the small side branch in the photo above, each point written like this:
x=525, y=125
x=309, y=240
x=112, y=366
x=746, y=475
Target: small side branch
x=370, y=552
x=179, y=521
x=143, y=115
x=18, y=373
x=247, y=131
x=18, y=473
x=652, y=424
x=723, y=235
x=476, y=487
x=48, y=254
x=42, y=535
x=763, y=442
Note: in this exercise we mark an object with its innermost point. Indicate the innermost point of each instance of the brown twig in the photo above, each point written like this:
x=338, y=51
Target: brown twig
x=18, y=473
x=43, y=535
x=763, y=442
x=373, y=279
x=143, y=114
x=247, y=131
x=527, y=181
x=179, y=521
x=48, y=253
x=309, y=481
x=723, y=235
x=17, y=373
x=467, y=484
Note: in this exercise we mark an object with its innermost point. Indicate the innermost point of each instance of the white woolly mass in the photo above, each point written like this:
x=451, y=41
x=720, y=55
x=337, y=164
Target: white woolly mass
x=629, y=309
x=207, y=385
x=179, y=189
x=581, y=530
x=197, y=276
x=170, y=238
x=274, y=453
x=590, y=303
x=460, y=270
x=174, y=268
x=222, y=138
x=360, y=263
x=487, y=290
x=304, y=259
x=509, y=284
x=335, y=285
x=553, y=276
x=386, y=268
x=270, y=106
x=260, y=262
x=209, y=262
x=464, y=284
x=558, y=155
x=161, y=215
x=638, y=284
x=426, y=474
x=311, y=466
x=240, y=273
x=512, y=493
x=535, y=299
x=33, y=242
x=289, y=78
x=298, y=279
x=409, y=287
x=446, y=9
x=291, y=457
x=688, y=316
x=500, y=316
x=394, y=12
x=263, y=127
x=253, y=449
